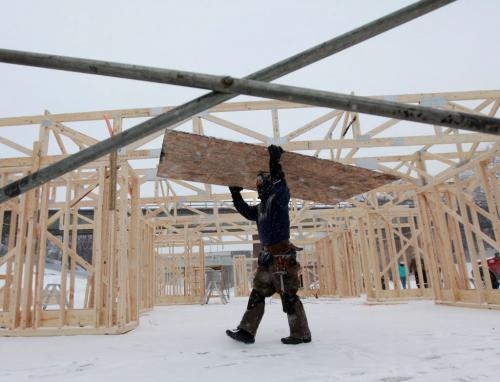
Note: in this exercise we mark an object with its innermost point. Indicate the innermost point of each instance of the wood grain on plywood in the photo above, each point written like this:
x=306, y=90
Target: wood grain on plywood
x=217, y=161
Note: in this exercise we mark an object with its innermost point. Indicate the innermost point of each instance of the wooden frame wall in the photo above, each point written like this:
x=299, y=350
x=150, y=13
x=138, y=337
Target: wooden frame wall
x=122, y=275
x=181, y=276
x=461, y=223
x=103, y=201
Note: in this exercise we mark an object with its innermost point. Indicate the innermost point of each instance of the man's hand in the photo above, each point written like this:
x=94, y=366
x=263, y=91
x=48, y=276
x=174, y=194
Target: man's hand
x=235, y=189
x=275, y=152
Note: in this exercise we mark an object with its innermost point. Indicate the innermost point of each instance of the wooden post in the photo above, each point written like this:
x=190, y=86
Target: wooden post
x=375, y=265
x=18, y=262
x=447, y=267
x=136, y=250
x=471, y=245
x=13, y=224
x=122, y=248
x=418, y=245
x=370, y=286
x=429, y=258
x=99, y=248
x=74, y=242
x=65, y=256
x=42, y=252
x=456, y=241
x=492, y=207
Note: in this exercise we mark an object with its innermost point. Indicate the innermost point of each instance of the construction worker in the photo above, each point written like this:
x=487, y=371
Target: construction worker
x=277, y=265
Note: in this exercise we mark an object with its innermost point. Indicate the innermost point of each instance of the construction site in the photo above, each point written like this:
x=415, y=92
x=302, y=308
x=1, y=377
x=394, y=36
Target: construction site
x=111, y=217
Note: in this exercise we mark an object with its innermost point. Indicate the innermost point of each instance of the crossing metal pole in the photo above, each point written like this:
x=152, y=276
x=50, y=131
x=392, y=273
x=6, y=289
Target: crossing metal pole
x=212, y=99
x=226, y=84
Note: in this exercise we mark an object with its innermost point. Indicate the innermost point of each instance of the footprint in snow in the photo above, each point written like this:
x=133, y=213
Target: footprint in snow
x=431, y=358
x=84, y=367
x=483, y=349
x=221, y=365
x=268, y=355
x=357, y=373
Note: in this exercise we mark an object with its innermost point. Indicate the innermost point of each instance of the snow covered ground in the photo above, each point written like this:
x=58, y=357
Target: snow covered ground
x=352, y=341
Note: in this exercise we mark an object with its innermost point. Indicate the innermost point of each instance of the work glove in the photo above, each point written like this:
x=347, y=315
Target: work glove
x=275, y=152
x=235, y=189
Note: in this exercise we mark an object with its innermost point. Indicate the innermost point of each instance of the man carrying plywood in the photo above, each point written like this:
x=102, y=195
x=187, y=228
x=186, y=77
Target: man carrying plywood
x=277, y=266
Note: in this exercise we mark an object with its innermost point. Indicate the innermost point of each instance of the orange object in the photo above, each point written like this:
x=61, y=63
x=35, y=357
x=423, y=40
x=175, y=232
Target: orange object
x=108, y=124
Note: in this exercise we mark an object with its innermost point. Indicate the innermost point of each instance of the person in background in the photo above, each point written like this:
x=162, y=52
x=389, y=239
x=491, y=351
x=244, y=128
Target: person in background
x=402, y=274
x=414, y=270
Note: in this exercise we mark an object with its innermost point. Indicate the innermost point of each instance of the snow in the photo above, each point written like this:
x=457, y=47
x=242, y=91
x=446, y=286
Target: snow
x=52, y=275
x=352, y=341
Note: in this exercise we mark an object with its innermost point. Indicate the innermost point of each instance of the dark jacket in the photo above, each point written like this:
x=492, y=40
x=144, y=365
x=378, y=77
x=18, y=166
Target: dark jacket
x=271, y=214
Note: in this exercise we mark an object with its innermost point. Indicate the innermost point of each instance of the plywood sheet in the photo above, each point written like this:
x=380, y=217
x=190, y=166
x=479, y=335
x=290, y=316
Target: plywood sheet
x=217, y=161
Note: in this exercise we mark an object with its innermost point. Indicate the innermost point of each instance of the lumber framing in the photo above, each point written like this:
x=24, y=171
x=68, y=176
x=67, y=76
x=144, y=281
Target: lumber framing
x=149, y=250
x=149, y=235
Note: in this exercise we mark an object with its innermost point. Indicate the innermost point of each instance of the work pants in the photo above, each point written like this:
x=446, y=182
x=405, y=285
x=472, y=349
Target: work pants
x=267, y=282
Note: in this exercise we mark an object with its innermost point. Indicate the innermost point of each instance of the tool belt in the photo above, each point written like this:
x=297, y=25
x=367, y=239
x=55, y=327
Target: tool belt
x=284, y=247
x=277, y=253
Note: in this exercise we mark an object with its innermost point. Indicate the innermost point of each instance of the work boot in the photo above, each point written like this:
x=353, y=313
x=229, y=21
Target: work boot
x=295, y=341
x=241, y=336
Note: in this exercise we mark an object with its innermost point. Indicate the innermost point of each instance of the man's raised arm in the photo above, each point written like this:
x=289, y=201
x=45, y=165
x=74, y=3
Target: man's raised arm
x=248, y=212
x=275, y=169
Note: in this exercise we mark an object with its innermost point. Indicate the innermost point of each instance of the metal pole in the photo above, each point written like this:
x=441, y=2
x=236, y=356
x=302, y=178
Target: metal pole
x=209, y=100
x=397, y=110
x=225, y=84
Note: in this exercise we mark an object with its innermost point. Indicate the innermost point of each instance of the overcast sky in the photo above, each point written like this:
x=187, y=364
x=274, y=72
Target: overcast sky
x=454, y=48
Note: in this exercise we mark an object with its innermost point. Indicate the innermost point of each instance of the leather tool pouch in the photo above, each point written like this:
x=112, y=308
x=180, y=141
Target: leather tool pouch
x=265, y=258
x=283, y=248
